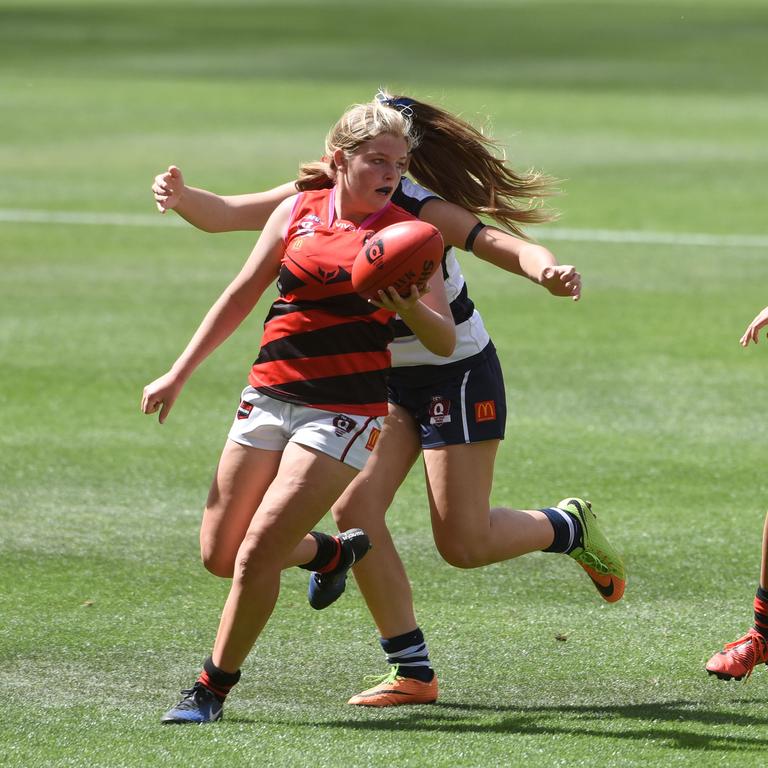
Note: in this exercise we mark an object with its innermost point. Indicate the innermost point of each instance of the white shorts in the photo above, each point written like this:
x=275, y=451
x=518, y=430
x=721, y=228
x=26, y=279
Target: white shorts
x=269, y=424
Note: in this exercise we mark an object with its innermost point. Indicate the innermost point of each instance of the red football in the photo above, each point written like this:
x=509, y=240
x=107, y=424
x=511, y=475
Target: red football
x=401, y=255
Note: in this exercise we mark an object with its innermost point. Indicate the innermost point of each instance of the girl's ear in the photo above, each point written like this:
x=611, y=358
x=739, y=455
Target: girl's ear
x=339, y=159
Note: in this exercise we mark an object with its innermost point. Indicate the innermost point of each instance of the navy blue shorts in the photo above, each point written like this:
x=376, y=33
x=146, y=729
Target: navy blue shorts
x=461, y=402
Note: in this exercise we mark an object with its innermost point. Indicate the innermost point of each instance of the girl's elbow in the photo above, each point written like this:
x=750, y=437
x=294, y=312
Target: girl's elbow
x=446, y=346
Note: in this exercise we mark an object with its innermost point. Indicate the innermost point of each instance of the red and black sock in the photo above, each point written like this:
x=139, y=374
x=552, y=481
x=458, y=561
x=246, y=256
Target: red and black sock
x=328, y=553
x=761, y=612
x=216, y=680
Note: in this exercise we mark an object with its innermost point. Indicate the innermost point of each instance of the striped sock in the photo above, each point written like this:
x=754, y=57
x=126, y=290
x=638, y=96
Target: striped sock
x=567, y=529
x=410, y=653
x=217, y=680
x=761, y=612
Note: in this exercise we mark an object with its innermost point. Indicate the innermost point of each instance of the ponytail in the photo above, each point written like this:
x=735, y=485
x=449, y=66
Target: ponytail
x=460, y=164
x=319, y=175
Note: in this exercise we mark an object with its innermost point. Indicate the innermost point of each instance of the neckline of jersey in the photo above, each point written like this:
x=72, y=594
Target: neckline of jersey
x=365, y=224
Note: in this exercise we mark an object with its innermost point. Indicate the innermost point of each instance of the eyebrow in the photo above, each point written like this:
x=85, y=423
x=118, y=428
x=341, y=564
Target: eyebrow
x=376, y=152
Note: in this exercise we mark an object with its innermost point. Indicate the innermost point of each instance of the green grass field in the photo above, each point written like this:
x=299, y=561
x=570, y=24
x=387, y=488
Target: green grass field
x=639, y=397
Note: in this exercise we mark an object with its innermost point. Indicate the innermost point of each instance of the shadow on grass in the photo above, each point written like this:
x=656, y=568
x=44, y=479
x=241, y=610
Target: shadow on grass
x=670, y=723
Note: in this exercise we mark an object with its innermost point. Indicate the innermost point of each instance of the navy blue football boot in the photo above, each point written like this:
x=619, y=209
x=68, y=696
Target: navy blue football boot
x=327, y=588
x=199, y=705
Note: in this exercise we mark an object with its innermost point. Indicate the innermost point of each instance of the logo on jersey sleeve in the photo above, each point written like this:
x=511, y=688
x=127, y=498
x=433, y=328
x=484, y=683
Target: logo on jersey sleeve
x=485, y=410
x=439, y=411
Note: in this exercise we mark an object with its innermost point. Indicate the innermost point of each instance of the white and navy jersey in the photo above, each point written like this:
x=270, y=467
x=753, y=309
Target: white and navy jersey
x=471, y=335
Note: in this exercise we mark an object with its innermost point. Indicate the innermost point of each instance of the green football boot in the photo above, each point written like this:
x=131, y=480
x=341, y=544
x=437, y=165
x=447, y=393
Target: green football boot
x=603, y=564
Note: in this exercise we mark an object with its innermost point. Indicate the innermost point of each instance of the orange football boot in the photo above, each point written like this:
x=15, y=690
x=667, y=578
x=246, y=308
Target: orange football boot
x=395, y=691
x=740, y=657
x=610, y=587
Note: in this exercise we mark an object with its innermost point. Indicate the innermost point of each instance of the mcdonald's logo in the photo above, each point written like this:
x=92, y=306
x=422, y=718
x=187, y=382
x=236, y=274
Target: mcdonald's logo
x=373, y=438
x=485, y=410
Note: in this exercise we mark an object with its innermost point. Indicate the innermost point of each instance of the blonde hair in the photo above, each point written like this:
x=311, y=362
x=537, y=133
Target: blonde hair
x=360, y=123
x=463, y=166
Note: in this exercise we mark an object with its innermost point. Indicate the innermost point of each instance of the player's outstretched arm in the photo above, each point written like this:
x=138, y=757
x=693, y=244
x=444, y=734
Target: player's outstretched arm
x=753, y=329
x=216, y=213
x=224, y=317
x=502, y=249
x=530, y=260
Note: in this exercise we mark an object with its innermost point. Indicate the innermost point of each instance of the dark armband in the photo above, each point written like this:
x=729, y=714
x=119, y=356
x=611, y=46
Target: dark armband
x=472, y=236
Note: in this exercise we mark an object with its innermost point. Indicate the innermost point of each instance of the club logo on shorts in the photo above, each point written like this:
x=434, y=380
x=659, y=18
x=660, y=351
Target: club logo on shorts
x=373, y=438
x=439, y=411
x=343, y=424
x=244, y=410
x=485, y=410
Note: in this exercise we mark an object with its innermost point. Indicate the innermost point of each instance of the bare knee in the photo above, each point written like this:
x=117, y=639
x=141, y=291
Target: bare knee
x=462, y=553
x=217, y=563
x=217, y=553
x=368, y=516
x=255, y=560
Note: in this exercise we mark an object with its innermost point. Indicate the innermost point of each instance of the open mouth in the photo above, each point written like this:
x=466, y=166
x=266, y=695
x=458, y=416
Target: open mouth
x=384, y=191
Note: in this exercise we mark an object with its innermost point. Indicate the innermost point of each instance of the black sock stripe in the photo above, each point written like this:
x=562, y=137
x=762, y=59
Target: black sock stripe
x=762, y=618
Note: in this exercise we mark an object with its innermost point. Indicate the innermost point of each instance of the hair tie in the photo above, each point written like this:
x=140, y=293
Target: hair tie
x=402, y=104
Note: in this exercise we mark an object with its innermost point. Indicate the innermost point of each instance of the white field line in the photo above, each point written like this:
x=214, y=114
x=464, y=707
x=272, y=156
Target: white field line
x=652, y=238
x=20, y=216
x=696, y=239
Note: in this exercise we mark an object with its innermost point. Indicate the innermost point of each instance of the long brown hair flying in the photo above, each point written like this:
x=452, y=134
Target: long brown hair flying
x=464, y=166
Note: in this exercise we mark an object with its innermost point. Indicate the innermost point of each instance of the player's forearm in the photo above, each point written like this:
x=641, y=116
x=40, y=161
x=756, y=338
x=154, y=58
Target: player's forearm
x=433, y=329
x=512, y=253
x=231, y=213
x=534, y=259
x=205, y=210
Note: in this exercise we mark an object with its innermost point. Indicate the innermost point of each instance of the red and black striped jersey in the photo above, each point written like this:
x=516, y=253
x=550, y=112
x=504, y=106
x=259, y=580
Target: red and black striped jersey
x=323, y=345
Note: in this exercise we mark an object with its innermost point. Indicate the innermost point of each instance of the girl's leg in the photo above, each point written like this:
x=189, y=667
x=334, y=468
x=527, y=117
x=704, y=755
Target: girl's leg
x=239, y=484
x=242, y=477
x=468, y=533
x=381, y=576
x=740, y=657
x=306, y=485
x=764, y=558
